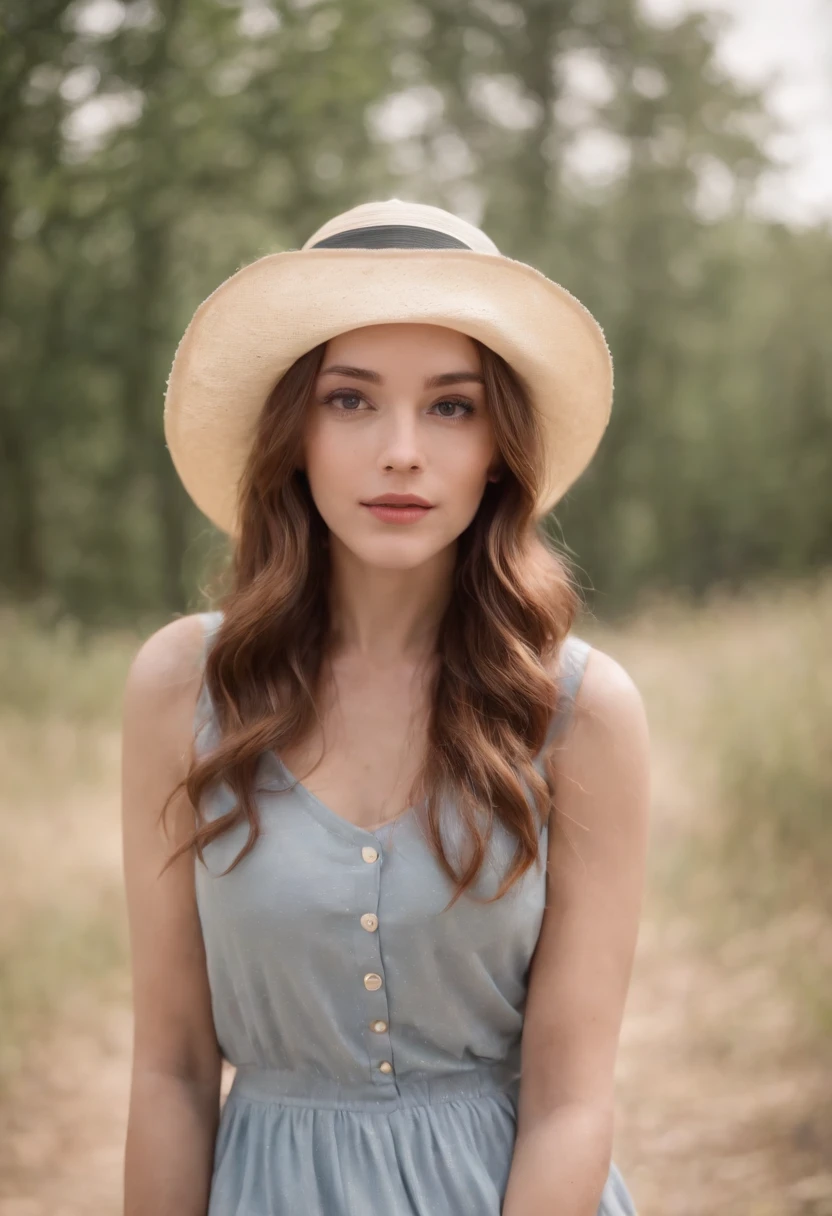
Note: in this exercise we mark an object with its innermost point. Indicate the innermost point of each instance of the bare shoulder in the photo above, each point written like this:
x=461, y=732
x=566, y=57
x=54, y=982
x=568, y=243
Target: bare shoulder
x=159, y=704
x=603, y=764
x=168, y=663
x=608, y=695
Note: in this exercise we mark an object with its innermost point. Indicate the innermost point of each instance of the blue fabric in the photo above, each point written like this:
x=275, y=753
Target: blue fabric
x=312, y=1126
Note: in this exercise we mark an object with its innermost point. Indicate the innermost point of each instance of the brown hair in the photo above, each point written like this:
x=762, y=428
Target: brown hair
x=494, y=691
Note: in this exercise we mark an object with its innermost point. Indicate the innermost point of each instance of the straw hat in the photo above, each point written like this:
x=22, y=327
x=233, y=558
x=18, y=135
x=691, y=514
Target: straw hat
x=388, y=261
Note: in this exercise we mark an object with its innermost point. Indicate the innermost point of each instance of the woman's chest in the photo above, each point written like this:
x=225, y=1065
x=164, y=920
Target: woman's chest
x=365, y=753
x=311, y=889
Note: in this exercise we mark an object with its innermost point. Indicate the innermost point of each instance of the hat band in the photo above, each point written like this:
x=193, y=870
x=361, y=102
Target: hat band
x=390, y=236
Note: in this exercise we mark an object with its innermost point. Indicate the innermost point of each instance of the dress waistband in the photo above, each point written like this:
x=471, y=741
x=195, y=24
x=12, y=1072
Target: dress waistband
x=289, y=1088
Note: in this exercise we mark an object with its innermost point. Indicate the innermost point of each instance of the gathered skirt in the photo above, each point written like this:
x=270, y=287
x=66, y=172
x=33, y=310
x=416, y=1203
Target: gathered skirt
x=288, y=1145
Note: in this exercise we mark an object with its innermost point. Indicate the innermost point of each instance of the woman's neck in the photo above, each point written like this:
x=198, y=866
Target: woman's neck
x=385, y=616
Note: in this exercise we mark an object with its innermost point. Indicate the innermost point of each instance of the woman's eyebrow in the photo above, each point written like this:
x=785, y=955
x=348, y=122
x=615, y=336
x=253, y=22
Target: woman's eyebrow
x=454, y=378
x=355, y=373
x=362, y=373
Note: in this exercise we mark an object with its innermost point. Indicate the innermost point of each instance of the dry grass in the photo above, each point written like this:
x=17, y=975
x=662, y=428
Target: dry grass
x=733, y=981
x=743, y=688
x=62, y=915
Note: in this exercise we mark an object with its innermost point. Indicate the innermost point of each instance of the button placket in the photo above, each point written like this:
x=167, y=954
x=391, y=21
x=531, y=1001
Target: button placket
x=371, y=976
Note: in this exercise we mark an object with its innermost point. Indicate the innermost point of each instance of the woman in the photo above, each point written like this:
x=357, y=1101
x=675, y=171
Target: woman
x=406, y=909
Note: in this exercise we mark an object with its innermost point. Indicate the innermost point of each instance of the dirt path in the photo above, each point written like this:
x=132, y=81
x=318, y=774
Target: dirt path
x=720, y=1109
x=63, y=1131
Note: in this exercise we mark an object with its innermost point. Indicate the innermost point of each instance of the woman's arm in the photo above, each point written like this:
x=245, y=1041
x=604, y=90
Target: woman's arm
x=175, y=1086
x=581, y=968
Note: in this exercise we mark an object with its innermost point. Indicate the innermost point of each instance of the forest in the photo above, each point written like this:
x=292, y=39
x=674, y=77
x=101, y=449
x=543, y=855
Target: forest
x=148, y=150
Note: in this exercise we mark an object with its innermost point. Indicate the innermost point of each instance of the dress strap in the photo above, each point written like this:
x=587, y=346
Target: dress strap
x=204, y=721
x=574, y=654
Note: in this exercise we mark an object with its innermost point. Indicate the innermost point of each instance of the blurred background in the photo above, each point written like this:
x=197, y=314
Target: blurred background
x=669, y=163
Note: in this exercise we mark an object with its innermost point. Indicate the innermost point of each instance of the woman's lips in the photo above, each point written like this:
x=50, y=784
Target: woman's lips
x=397, y=515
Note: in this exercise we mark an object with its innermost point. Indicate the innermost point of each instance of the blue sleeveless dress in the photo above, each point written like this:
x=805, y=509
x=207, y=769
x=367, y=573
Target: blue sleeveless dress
x=376, y=1042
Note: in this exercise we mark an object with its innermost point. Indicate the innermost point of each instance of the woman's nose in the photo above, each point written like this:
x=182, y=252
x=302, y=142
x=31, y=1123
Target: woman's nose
x=401, y=445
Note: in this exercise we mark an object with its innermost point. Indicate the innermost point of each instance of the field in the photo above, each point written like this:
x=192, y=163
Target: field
x=725, y=1065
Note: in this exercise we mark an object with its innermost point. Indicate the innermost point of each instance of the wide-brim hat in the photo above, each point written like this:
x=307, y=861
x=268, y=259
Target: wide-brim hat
x=381, y=262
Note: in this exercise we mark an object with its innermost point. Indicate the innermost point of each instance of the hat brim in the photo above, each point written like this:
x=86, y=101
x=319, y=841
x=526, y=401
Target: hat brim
x=250, y=330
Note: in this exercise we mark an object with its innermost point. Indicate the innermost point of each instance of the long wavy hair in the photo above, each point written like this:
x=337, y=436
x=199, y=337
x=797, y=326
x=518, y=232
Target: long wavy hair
x=495, y=687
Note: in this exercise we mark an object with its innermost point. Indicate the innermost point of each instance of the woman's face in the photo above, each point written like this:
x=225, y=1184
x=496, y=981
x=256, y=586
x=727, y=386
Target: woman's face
x=399, y=409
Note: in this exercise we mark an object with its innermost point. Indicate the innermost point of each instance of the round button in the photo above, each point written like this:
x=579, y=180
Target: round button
x=379, y=1027
x=372, y=982
x=369, y=921
x=369, y=853
x=385, y=1066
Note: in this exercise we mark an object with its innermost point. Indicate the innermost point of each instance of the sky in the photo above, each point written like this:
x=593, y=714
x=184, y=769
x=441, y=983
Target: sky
x=787, y=43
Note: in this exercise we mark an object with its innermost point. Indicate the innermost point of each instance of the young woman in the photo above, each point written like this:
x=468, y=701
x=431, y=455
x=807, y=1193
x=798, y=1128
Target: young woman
x=385, y=817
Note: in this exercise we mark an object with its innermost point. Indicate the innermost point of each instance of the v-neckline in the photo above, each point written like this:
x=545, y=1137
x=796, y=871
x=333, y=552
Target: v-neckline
x=325, y=814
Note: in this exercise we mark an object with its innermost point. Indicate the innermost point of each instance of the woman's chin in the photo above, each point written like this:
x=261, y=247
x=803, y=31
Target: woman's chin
x=396, y=552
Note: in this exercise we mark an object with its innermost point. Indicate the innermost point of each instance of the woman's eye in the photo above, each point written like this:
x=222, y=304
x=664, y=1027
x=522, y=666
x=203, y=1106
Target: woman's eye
x=454, y=405
x=451, y=408
x=349, y=400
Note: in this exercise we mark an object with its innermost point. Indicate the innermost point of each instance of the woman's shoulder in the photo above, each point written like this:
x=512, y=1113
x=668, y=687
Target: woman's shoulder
x=173, y=652
x=592, y=684
x=603, y=762
x=165, y=674
x=602, y=691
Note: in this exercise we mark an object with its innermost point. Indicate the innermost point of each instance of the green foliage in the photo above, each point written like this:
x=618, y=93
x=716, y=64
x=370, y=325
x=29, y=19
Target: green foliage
x=148, y=151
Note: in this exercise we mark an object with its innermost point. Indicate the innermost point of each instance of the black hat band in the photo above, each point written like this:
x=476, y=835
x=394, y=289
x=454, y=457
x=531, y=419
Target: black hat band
x=390, y=236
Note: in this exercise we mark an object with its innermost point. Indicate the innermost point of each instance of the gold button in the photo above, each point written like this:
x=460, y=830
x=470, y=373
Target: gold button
x=372, y=982
x=369, y=921
x=379, y=1027
x=385, y=1066
x=369, y=853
